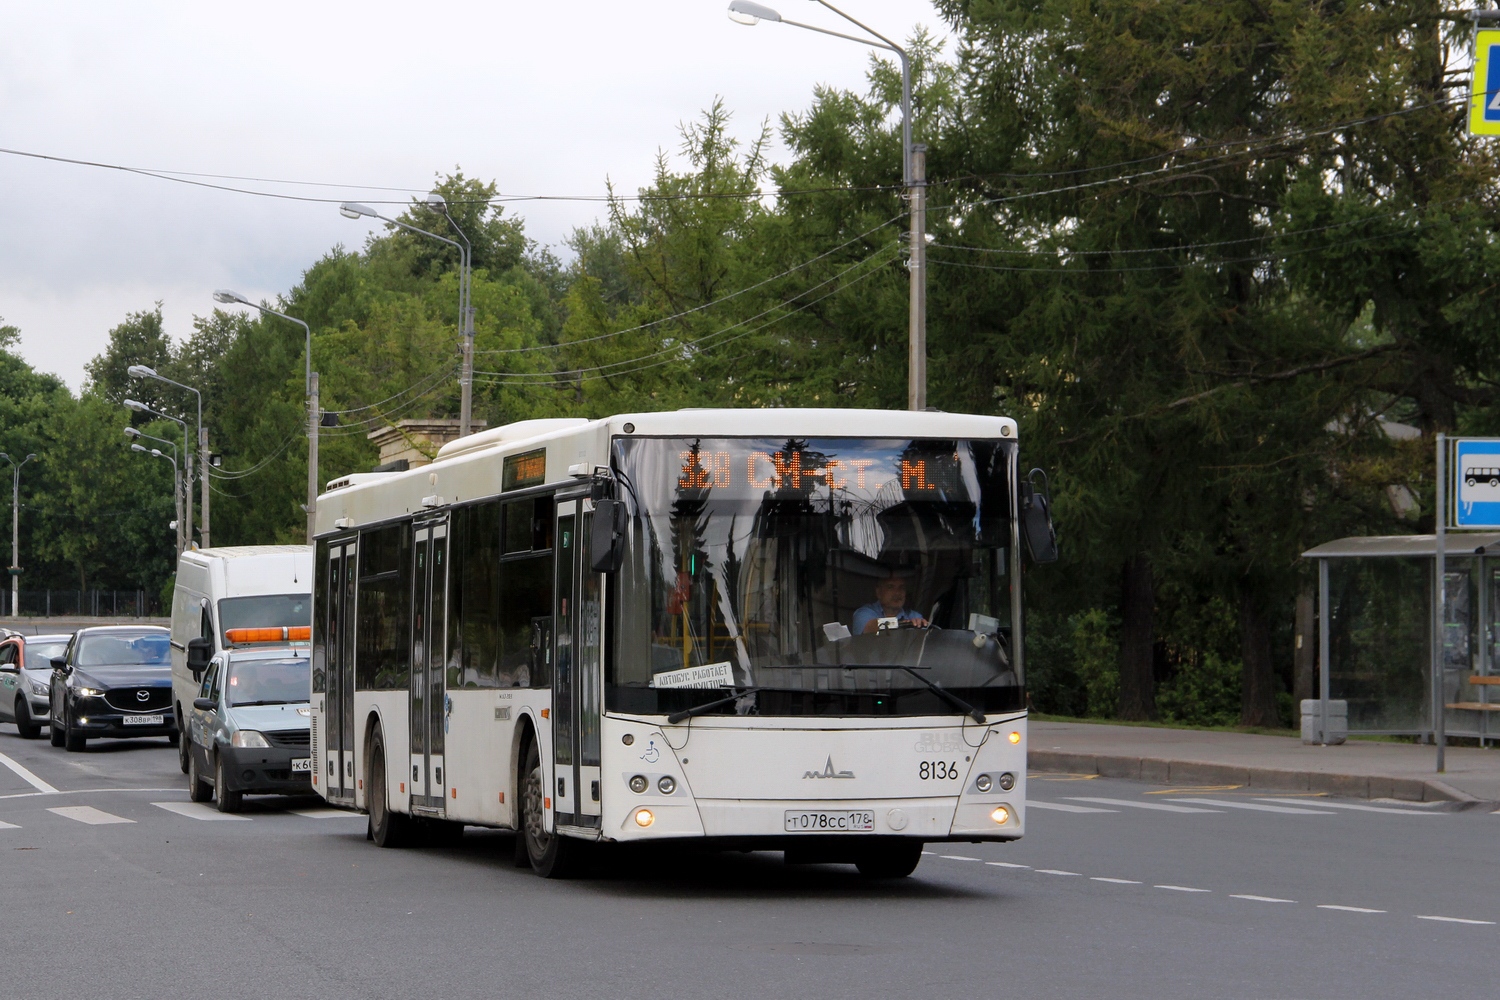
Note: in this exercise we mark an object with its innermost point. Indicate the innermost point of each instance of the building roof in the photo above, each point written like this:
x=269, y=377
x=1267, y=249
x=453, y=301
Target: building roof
x=1458, y=544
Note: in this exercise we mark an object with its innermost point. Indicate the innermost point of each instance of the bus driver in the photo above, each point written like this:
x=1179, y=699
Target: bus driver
x=890, y=602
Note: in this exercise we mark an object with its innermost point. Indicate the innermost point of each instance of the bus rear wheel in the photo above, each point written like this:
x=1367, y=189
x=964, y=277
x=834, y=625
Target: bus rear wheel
x=551, y=855
x=387, y=829
x=896, y=860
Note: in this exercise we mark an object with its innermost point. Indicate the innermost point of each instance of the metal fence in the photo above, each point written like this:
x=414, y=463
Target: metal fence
x=88, y=603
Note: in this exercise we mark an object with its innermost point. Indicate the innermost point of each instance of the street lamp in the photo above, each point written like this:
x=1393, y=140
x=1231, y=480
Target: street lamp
x=136, y=435
x=354, y=210
x=141, y=371
x=913, y=178
x=187, y=462
x=15, y=532
x=176, y=485
x=310, y=390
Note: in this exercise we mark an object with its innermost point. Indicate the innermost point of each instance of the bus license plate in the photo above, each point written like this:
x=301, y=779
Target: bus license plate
x=825, y=821
x=301, y=764
x=144, y=720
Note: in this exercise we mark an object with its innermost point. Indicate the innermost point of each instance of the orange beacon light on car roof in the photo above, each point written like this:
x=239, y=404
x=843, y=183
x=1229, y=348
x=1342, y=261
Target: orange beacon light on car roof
x=284, y=633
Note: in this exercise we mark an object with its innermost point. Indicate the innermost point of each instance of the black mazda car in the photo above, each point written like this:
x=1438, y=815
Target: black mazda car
x=113, y=681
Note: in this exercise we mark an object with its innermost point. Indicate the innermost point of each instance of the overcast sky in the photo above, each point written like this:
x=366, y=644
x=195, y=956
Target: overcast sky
x=543, y=98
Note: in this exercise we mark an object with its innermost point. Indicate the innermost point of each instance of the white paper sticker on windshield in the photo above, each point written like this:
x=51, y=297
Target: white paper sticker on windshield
x=710, y=675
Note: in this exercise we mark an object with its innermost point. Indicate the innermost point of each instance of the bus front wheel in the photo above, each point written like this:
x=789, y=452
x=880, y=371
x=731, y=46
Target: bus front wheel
x=387, y=828
x=551, y=855
x=890, y=860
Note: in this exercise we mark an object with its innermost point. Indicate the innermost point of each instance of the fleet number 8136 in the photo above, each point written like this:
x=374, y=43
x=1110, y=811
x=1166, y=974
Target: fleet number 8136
x=937, y=770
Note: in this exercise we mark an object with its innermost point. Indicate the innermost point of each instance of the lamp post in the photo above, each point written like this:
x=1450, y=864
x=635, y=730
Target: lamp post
x=15, y=531
x=913, y=178
x=135, y=435
x=141, y=371
x=176, y=485
x=187, y=462
x=310, y=390
x=353, y=210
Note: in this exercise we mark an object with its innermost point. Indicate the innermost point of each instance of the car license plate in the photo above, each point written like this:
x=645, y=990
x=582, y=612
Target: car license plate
x=825, y=821
x=144, y=720
x=301, y=764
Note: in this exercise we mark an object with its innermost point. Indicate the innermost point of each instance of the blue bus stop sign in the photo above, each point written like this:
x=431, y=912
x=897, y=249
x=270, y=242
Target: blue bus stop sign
x=1476, y=478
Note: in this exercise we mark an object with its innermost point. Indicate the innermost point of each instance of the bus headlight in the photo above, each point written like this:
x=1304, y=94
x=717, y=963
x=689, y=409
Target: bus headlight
x=667, y=785
x=643, y=817
x=1001, y=815
x=983, y=782
x=1015, y=737
x=639, y=784
x=1007, y=781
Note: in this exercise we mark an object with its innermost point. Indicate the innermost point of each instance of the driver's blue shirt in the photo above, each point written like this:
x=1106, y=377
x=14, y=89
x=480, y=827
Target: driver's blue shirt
x=873, y=610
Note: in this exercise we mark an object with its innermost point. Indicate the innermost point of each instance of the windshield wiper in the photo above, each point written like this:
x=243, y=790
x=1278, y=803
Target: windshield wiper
x=932, y=686
x=708, y=706
x=252, y=704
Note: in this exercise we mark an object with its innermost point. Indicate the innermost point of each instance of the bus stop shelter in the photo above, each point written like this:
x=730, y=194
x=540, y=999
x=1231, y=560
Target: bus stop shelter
x=1376, y=638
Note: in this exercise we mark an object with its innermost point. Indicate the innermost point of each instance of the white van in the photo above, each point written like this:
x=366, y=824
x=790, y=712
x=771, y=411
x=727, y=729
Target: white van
x=267, y=588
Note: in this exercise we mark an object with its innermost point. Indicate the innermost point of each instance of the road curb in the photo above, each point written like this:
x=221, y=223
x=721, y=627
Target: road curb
x=1188, y=772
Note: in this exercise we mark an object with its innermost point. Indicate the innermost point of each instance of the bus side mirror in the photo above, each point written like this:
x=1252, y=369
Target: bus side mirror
x=1036, y=520
x=199, y=652
x=607, y=544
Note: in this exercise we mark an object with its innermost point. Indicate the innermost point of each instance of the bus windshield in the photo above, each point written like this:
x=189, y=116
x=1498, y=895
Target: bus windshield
x=836, y=576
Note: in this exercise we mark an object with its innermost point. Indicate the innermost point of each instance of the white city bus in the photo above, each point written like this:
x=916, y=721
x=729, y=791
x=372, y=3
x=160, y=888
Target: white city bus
x=790, y=629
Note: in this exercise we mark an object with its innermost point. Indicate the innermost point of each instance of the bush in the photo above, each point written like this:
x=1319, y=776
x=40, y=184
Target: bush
x=1203, y=694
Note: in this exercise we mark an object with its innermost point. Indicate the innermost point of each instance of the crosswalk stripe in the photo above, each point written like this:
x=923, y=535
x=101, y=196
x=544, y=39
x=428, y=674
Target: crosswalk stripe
x=1064, y=807
x=956, y=857
x=1458, y=920
x=1257, y=807
x=1114, y=881
x=1325, y=804
x=1259, y=899
x=197, y=810
x=89, y=815
x=1347, y=909
x=25, y=775
x=325, y=813
x=1181, y=888
x=8, y=826
x=1154, y=806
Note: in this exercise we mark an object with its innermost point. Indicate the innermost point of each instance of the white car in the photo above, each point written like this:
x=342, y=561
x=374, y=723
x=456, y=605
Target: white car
x=25, y=679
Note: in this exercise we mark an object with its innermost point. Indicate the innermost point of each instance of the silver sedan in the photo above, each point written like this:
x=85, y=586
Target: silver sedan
x=25, y=676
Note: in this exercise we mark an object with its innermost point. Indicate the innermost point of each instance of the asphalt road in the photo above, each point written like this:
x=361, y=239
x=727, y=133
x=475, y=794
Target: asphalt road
x=115, y=885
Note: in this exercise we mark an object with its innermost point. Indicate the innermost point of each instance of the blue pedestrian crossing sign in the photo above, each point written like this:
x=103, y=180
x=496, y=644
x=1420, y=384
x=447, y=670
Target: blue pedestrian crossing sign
x=1476, y=472
x=1484, y=101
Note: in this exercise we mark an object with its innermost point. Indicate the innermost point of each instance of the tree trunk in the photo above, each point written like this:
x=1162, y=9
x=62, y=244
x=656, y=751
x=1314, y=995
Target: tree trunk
x=1258, y=678
x=1137, y=640
x=1305, y=653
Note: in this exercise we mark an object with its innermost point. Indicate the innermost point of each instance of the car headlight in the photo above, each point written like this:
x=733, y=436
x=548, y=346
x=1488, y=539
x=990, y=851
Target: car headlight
x=87, y=692
x=247, y=739
x=40, y=690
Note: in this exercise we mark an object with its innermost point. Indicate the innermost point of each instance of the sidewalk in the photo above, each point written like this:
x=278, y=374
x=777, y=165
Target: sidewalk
x=1187, y=756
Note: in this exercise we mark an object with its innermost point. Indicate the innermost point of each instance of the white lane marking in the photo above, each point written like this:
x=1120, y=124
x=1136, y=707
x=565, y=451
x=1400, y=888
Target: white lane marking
x=1155, y=806
x=26, y=775
x=8, y=826
x=1255, y=806
x=1325, y=804
x=1458, y=920
x=1006, y=864
x=956, y=857
x=1064, y=807
x=1347, y=909
x=1181, y=888
x=1055, y=871
x=89, y=815
x=196, y=810
x=929, y=854
x=1259, y=899
x=1113, y=881
x=86, y=791
x=336, y=814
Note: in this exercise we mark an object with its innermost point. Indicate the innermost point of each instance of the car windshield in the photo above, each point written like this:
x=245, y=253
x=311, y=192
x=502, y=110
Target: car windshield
x=269, y=682
x=817, y=570
x=264, y=611
x=39, y=654
x=153, y=649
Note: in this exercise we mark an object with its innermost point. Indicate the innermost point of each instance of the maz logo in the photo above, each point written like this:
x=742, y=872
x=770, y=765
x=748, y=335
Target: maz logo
x=827, y=772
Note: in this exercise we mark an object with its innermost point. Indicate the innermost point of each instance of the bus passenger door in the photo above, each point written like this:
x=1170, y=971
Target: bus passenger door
x=338, y=699
x=428, y=687
x=576, y=685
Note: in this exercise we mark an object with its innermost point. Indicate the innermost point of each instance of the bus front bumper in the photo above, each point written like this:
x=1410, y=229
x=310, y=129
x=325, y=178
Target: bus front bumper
x=998, y=818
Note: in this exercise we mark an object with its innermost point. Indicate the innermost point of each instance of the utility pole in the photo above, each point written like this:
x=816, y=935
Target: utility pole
x=916, y=379
x=314, y=418
x=15, y=532
x=203, y=460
